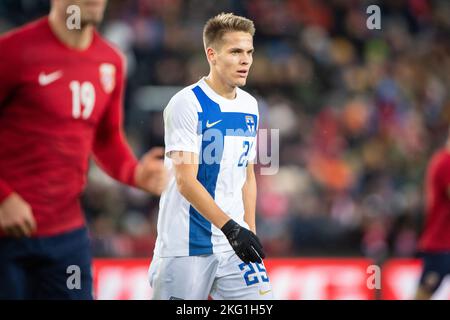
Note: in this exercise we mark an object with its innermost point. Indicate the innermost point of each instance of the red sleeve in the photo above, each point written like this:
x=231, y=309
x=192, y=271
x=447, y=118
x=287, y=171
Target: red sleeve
x=444, y=172
x=111, y=151
x=7, y=85
x=8, y=67
x=5, y=190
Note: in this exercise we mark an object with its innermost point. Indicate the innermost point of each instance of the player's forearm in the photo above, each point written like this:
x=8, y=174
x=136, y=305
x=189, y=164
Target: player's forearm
x=194, y=192
x=114, y=156
x=249, y=193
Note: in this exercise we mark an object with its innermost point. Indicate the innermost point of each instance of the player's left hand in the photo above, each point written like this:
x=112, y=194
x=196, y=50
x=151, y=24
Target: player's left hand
x=150, y=174
x=244, y=242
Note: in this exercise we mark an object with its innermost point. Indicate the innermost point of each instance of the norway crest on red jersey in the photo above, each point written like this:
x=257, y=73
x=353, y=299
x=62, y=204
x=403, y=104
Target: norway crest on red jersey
x=108, y=76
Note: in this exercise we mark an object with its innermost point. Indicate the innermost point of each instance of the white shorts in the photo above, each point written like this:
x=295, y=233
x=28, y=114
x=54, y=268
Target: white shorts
x=222, y=276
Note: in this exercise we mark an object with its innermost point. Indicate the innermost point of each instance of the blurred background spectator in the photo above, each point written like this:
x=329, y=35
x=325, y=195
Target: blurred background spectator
x=359, y=112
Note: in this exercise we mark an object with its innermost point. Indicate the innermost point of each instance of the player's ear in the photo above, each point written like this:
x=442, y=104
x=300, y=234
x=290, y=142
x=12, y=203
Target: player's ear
x=211, y=55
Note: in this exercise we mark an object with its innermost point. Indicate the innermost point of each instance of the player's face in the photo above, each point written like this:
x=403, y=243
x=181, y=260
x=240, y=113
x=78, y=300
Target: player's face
x=91, y=10
x=234, y=58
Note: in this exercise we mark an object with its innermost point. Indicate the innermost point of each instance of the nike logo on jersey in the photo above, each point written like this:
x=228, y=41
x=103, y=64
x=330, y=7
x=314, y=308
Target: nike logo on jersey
x=46, y=79
x=209, y=125
x=264, y=292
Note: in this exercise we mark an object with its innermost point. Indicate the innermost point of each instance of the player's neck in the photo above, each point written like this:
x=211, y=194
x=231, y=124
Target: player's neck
x=78, y=39
x=219, y=87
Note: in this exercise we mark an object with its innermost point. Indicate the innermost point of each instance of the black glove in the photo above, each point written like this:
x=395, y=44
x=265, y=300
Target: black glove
x=244, y=242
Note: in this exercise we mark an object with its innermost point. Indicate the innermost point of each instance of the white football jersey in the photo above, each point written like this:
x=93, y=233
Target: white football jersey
x=223, y=133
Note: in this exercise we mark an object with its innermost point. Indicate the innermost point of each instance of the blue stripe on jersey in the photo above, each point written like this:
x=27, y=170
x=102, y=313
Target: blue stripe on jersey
x=229, y=124
x=200, y=228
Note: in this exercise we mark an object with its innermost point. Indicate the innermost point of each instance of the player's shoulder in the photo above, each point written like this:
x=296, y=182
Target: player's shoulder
x=184, y=96
x=439, y=163
x=440, y=158
x=441, y=155
x=109, y=50
x=23, y=34
x=182, y=105
x=247, y=98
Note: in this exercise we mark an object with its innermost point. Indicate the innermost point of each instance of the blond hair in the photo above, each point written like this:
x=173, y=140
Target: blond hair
x=217, y=26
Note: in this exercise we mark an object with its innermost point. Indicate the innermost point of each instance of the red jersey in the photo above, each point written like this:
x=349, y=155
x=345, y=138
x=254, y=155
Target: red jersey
x=57, y=106
x=436, y=234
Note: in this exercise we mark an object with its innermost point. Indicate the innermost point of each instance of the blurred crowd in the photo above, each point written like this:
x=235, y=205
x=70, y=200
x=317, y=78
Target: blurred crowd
x=359, y=114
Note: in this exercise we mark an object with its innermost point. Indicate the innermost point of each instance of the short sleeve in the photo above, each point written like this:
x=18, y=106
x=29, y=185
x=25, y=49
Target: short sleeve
x=180, y=125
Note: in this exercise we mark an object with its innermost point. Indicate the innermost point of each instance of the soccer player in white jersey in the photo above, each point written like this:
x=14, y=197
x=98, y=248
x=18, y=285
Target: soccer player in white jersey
x=207, y=243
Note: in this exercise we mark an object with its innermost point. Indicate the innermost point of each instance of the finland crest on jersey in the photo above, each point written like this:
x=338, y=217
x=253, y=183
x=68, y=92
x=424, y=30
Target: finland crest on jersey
x=223, y=133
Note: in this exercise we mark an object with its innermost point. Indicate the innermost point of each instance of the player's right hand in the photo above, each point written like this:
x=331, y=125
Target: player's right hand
x=16, y=217
x=244, y=242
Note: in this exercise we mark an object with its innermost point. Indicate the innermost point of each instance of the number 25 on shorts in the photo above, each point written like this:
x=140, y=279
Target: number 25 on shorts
x=251, y=275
